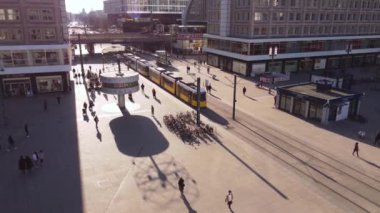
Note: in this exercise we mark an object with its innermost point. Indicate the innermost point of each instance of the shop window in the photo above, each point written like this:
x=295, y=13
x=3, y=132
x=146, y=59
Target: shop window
x=6, y=59
x=49, y=84
x=285, y=102
x=52, y=57
x=20, y=58
x=66, y=57
x=39, y=58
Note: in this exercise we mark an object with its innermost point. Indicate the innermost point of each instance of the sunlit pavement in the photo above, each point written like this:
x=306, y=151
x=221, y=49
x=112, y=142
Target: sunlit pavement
x=132, y=162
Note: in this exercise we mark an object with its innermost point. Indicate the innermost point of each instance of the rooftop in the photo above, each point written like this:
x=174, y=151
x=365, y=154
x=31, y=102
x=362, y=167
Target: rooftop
x=310, y=89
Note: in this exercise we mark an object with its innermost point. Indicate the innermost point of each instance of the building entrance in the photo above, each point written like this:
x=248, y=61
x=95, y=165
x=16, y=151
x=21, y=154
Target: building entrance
x=17, y=87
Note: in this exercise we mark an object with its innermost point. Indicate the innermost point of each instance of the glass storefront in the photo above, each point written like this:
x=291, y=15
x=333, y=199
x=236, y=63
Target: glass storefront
x=212, y=60
x=257, y=68
x=49, y=83
x=306, y=65
x=333, y=63
x=275, y=66
x=239, y=67
x=291, y=66
x=17, y=87
x=320, y=64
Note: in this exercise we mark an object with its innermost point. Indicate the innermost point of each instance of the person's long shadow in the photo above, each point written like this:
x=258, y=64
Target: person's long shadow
x=187, y=204
x=99, y=135
x=146, y=96
x=157, y=121
x=251, y=169
x=158, y=100
x=251, y=98
x=214, y=96
x=369, y=162
x=105, y=96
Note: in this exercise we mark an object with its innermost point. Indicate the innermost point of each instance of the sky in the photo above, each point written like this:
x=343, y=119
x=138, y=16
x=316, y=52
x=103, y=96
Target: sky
x=76, y=6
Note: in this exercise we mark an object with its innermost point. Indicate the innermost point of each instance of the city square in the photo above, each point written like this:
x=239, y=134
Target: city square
x=100, y=102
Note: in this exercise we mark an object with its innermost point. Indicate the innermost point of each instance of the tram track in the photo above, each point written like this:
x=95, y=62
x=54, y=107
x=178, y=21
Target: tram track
x=349, y=185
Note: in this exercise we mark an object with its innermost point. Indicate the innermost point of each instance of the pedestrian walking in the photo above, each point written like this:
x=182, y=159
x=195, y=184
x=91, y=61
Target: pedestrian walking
x=154, y=93
x=229, y=199
x=41, y=156
x=35, y=158
x=152, y=110
x=208, y=69
x=181, y=185
x=59, y=99
x=209, y=88
x=22, y=164
x=244, y=90
x=96, y=119
x=356, y=149
x=73, y=71
x=26, y=128
x=45, y=105
x=29, y=163
x=142, y=87
x=91, y=105
x=199, y=69
x=85, y=105
x=11, y=143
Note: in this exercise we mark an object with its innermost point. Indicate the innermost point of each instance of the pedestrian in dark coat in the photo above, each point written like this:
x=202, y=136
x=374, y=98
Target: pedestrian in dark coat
x=356, y=149
x=29, y=163
x=26, y=128
x=85, y=105
x=96, y=119
x=154, y=93
x=59, y=99
x=244, y=90
x=22, y=164
x=181, y=185
x=91, y=105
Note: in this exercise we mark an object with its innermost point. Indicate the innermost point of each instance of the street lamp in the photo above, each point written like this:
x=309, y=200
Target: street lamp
x=348, y=51
x=272, y=53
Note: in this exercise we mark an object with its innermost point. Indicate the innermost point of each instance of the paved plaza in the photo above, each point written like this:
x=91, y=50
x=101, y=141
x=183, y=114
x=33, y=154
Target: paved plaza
x=272, y=161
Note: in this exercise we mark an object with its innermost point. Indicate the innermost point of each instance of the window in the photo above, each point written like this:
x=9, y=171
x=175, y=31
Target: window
x=42, y=34
x=13, y=14
x=39, y=57
x=2, y=15
x=258, y=16
x=10, y=34
x=52, y=57
x=20, y=58
x=44, y=15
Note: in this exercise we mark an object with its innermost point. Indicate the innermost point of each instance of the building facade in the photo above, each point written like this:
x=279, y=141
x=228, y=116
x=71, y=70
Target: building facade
x=34, y=48
x=255, y=36
x=137, y=13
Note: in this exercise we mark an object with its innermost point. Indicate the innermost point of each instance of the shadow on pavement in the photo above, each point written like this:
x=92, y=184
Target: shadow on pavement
x=370, y=163
x=157, y=179
x=55, y=187
x=213, y=116
x=187, y=204
x=138, y=136
x=274, y=188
